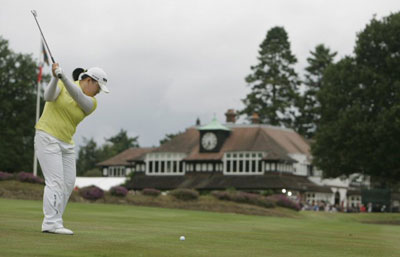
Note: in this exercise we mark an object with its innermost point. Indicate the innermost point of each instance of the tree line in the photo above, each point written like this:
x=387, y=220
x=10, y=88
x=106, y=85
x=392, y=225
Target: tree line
x=90, y=153
x=349, y=109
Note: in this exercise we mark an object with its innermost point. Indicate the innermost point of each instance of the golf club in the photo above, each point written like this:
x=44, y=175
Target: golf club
x=34, y=13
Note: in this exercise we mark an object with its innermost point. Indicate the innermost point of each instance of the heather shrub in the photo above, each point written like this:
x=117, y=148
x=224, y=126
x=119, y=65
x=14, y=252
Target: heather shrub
x=240, y=197
x=151, y=192
x=264, y=202
x=5, y=176
x=243, y=197
x=254, y=199
x=222, y=195
x=29, y=177
x=185, y=194
x=284, y=201
x=119, y=191
x=91, y=193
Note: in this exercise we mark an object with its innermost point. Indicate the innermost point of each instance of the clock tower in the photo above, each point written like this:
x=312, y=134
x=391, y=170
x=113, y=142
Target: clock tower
x=213, y=136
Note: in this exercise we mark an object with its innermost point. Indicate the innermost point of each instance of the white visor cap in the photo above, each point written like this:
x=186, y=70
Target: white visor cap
x=100, y=76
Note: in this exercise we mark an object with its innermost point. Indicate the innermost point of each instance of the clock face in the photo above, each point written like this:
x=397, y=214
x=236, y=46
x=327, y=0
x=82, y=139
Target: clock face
x=209, y=141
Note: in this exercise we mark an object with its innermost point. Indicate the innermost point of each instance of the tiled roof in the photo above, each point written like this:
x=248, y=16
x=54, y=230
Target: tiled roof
x=182, y=143
x=278, y=143
x=218, y=181
x=288, y=139
x=125, y=156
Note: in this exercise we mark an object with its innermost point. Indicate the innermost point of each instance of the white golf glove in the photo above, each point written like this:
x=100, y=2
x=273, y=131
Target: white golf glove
x=59, y=72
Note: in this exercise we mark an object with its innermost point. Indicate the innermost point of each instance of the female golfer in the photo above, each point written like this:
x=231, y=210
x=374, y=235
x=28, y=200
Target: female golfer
x=67, y=104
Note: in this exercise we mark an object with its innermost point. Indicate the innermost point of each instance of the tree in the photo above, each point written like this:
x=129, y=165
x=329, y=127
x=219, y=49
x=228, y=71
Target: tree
x=88, y=156
x=359, y=130
x=273, y=81
x=122, y=141
x=90, y=153
x=307, y=104
x=18, y=75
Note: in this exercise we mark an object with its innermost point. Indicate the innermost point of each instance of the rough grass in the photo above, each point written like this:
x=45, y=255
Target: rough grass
x=126, y=230
x=18, y=190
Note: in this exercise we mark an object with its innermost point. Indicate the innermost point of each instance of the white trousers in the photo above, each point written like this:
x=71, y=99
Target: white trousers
x=57, y=160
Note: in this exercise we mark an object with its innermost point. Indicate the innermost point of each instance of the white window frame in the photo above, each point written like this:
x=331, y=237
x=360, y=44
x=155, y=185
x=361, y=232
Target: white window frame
x=237, y=157
x=116, y=171
x=354, y=201
x=163, y=159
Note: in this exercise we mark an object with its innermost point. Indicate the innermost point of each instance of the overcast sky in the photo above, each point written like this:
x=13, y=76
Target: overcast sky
x=171, y=62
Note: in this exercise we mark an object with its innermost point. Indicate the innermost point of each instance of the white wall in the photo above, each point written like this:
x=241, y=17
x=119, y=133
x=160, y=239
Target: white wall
x=342, y=194
x=318, y=197
x=104, y=183
x=301, y=165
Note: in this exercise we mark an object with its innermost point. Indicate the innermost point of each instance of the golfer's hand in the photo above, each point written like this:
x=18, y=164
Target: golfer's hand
x=57, y=71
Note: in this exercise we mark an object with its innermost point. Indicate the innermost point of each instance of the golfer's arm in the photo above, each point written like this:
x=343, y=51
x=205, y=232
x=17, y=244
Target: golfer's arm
x=52, y=91
x=85, y=102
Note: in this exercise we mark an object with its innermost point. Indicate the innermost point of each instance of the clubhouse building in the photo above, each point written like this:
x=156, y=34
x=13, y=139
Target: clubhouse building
x=249, y=157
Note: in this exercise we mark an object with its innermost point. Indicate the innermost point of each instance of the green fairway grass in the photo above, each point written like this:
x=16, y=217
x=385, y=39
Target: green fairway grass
x=118, y=230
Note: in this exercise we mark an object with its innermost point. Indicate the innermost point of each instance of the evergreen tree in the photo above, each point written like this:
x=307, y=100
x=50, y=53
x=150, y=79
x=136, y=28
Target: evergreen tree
x=122, y=141
x=359, y=130
x=18, y=85
x=88, y=157
x=307, y=104
x=273, y=81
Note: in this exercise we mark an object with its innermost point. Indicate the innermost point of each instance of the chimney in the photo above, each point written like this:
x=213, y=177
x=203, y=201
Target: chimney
x=230, y=116
x=198, y=122
x=255, y=119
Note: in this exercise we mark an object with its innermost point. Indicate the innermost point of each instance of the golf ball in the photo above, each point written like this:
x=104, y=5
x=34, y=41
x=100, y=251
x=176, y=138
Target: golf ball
x=182, y=238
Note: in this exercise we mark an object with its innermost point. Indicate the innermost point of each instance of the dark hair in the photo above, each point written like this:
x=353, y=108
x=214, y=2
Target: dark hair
x=76, y=73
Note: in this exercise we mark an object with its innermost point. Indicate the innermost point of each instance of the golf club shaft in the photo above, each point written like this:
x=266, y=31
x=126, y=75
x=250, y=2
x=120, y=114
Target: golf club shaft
x=44, y=39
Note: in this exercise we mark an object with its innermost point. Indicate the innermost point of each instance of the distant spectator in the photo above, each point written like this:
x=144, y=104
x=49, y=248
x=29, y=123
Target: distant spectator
x=369, y=207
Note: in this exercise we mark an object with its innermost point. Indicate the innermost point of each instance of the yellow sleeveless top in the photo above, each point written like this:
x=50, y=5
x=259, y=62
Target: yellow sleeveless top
x=61, y=117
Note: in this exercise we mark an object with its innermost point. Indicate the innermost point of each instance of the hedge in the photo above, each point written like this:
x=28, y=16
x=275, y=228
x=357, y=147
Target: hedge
x=119, y=191
x=151, y=192
x=29, y=177
x=185, y=194
x=91, y=193
x=243, y=197
x=284, y=201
